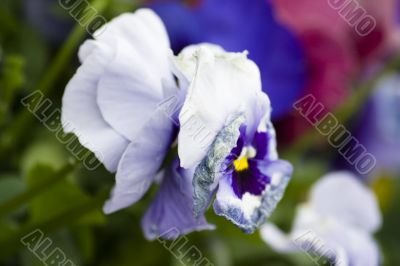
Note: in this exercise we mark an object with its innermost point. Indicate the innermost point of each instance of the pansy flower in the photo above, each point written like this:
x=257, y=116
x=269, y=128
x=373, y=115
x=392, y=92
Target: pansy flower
x=112, y=104
x=238, y=161
x=226, y=142
x=336, y=223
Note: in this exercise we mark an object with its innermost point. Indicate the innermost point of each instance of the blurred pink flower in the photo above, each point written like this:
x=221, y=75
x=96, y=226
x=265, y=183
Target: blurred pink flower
x=335, y=52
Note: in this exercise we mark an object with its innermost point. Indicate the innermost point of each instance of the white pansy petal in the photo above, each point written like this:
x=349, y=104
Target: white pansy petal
x=146, y=34
x=129, y=91
x=80, y=113
x=343, y=197
x=339, y=242
x=351, y=246
x=276, y=239
x=347, y=244
x=132, y=86
x=223, y=84
x=141, y=162
x=184, y=64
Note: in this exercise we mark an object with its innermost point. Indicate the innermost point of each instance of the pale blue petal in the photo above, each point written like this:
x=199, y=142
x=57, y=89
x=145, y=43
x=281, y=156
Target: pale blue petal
x=129, y=91
x=171, y=213
x=133, y=84
x=141, y=162
x=80, y=112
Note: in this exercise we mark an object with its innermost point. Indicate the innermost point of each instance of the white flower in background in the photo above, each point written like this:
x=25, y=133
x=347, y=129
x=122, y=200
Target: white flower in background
x=337, y=222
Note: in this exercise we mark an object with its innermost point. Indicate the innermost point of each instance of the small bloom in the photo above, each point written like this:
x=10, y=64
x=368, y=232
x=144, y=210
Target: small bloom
x=238, y=162
x=337, y=222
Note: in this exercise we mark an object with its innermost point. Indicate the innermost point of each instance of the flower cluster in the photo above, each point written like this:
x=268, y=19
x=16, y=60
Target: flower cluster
x=220, y=127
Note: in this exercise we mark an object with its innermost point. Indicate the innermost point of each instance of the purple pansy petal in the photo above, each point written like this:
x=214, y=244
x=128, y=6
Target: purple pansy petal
x=357, y=205
x=80, y=113
x=171, y=213
x=141, y=162
x=224, y=84
x=250, y=211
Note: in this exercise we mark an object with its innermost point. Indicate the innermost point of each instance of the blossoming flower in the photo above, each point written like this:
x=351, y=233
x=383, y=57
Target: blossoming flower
x=114, y=105
x=337, y=222
x=240, y=163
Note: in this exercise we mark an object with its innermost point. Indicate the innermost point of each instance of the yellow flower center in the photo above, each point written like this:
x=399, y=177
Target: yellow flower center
x=241, y=164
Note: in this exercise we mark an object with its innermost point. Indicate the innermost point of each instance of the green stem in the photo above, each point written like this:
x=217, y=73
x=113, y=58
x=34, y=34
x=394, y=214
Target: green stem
x=343, y=113
x=12, y=243
x=46, y=184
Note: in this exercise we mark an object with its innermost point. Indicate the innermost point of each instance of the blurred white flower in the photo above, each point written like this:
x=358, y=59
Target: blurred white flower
x=336, y=223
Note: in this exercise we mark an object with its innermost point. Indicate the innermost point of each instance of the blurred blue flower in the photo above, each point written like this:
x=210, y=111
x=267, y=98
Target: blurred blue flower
x=336, y=223
x=239, y=25
x=379, y=129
